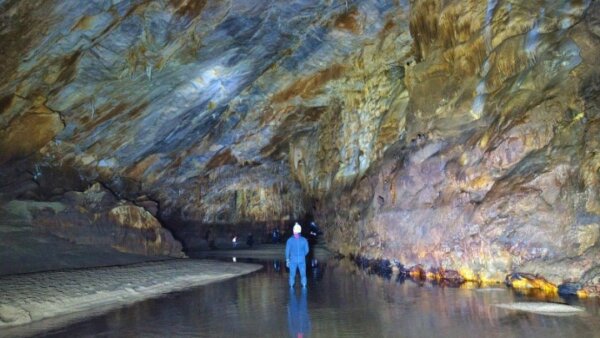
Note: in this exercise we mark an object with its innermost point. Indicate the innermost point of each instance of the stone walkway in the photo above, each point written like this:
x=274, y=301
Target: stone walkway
x=28, y=298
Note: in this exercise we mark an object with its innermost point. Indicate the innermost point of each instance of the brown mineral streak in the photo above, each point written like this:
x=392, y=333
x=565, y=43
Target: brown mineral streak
x=306, y=87
x=347, y=21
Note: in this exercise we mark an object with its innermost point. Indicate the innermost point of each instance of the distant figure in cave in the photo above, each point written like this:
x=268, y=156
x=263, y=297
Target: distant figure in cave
x=210, y=238
x=250, y=240
x=313, y=234
x=296, y=249
x=275, y=236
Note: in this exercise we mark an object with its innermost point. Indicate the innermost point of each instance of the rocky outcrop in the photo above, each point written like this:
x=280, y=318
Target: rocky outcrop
x=493, y=175
x=97, y=217
x=461, y=136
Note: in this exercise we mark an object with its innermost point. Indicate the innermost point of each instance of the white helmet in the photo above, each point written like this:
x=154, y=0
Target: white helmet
x=297, y=228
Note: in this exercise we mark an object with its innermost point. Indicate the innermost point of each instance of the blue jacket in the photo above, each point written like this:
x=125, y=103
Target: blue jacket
x=296, y=249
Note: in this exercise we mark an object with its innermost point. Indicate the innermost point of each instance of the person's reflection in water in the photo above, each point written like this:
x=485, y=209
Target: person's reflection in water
x=298, y=319
x=316, y=271
x=277, y=266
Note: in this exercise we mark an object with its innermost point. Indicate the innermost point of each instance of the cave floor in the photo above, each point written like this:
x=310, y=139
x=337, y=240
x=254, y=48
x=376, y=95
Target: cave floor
x=340, y=301
x=35, y=302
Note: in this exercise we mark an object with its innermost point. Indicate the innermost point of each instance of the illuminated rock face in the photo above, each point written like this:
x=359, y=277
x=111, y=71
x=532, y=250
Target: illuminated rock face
x=96, y=217
x=498, y=169
x=455, y=134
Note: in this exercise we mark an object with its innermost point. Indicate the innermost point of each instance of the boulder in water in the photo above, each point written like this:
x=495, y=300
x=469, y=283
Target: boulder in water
x=527, y=281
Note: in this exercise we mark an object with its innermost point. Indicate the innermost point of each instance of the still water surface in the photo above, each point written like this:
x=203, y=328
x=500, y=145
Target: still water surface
x=341, y=301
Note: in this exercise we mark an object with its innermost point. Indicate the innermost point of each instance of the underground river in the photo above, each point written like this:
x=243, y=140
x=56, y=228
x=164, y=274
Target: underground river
x=341, y=301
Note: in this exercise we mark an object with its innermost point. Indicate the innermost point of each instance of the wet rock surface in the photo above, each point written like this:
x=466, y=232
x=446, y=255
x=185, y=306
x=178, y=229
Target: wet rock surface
x=97, y=217
x=28, y=249
x=33, y=297
x=503, y=187
x=548, y=309
x=454, y=135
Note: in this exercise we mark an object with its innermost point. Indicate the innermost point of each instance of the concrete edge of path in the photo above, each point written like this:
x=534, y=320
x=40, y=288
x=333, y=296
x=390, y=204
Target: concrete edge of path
x=32, y=303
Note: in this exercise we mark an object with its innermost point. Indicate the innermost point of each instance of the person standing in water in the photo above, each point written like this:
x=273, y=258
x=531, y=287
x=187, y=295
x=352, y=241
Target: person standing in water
x=296, y=249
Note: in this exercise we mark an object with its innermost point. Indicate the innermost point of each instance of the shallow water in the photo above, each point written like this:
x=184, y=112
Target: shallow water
x=341, y=301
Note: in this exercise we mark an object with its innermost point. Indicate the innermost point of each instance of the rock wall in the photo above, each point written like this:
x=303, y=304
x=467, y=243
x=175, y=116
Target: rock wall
x=498, y=170
x=96, y=217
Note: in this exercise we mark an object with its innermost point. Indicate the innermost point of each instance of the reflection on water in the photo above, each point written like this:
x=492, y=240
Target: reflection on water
x=341, y=301
x=298, y=318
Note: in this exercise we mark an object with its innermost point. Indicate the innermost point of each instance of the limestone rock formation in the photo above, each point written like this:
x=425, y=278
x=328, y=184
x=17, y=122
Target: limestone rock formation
x=97, y=217
x=460, y=135
x=495, y=173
